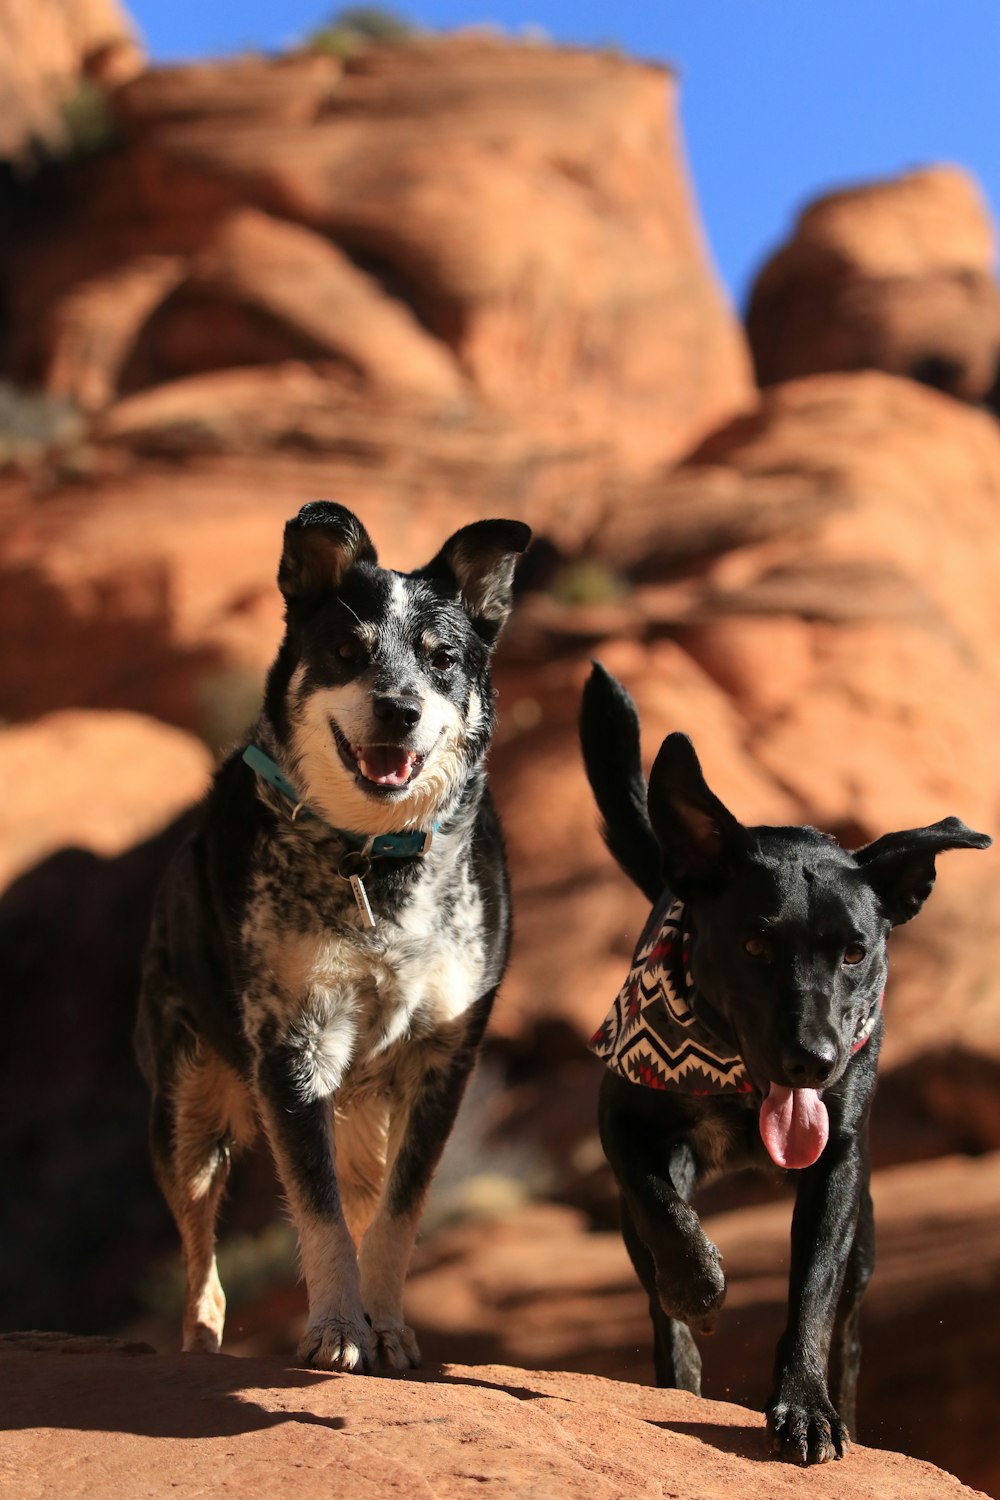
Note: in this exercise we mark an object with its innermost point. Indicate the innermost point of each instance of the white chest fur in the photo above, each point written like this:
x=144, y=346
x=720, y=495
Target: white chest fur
x=346, y=1001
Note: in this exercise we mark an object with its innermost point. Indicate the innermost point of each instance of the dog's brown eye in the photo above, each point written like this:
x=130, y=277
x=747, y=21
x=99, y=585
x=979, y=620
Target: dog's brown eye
x=756, y=947
x=348, y=650
x=854, y=954
x=442, y=660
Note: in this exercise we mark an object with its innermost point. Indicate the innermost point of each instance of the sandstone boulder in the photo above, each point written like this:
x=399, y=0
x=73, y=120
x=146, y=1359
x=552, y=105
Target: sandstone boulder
x=897, y=275
x=513, y=219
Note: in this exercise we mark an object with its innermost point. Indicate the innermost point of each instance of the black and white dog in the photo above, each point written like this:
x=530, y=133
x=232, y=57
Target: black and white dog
x=327, y=946
x=747, y=1035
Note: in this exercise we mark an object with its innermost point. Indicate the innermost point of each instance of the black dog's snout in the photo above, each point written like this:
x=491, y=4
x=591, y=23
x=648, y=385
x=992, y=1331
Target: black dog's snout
x=808, y=1067
x=397, y=714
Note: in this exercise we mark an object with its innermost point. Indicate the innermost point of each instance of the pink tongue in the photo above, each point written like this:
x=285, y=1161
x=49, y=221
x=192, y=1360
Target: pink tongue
x=387, y=765
x=794, y=1126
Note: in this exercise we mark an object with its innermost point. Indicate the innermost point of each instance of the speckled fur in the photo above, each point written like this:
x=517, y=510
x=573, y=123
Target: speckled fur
x=264, y=997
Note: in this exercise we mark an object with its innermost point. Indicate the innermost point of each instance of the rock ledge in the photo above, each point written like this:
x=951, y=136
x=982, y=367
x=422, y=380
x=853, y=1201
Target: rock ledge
x=110, y=1424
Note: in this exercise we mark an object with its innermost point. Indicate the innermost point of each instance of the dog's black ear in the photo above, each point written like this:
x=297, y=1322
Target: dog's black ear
x=321, y=543
x=900, y=866
x=480, y=561
x=697, y=833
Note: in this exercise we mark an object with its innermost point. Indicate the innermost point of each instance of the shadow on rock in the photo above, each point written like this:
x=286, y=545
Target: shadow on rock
x=190, y=1396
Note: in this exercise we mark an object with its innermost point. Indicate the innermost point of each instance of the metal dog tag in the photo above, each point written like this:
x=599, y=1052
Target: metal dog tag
x=353, y=868
x=361, y=900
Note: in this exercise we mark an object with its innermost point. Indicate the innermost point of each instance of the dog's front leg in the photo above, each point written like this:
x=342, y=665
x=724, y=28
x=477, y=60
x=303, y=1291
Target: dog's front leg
x=297, y=1116
x=804, y=1424
x=845, y=1354
x=425, y=1102
x=650, y=1152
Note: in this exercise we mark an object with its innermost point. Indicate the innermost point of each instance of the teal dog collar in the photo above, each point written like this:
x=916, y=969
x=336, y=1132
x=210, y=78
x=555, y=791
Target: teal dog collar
x=382, y=846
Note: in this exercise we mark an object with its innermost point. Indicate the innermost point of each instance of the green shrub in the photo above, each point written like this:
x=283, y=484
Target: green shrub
x=88, y=122
x=587, y=581
x=35, y=427
x=357, y=26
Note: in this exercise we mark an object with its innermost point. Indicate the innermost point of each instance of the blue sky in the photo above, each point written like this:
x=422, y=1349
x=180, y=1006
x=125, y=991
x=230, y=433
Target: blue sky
x=781, y=99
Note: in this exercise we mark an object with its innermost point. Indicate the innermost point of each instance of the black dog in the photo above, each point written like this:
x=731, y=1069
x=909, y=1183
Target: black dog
x=327, y=947
x=747, y=1034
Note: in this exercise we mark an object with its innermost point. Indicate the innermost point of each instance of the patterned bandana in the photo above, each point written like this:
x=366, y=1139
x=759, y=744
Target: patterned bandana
x=652, y=1036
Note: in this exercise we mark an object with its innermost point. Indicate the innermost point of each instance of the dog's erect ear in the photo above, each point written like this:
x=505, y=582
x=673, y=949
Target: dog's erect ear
x=321, y=543
x=480, y=561
x=697, y=833
x=900, y=866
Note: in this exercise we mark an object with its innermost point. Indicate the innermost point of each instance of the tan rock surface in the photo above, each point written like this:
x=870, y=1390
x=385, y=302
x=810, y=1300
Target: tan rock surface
x=897, y=275
x=46, y=48
x=98, y=781
x=212, y=1424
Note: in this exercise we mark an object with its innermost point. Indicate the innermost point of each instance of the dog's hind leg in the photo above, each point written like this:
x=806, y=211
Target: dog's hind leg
x=191, y=1132
x=676, y=1358
x=845, y=1349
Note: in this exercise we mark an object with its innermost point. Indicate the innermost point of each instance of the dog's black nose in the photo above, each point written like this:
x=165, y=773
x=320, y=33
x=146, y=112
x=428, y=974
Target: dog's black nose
x=808, y=1067
x=397, y=714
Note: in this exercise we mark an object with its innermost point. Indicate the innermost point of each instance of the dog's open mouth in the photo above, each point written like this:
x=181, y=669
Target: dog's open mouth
x=386, y=768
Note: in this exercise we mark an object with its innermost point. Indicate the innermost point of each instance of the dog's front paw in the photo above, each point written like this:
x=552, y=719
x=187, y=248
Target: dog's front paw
x=338, y=1344
x=692, y=1289
x=808, y=1430
x=396, y=1346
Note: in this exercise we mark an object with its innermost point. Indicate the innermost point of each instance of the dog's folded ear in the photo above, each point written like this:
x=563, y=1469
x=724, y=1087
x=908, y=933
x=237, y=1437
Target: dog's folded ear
x=321, y=543
x=900, y=866
x=479, y=561
x=699, y=837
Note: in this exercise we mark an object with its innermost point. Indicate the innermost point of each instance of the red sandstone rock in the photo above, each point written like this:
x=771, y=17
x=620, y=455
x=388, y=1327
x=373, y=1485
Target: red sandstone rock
x=304, y=282
x=518, y=214
x=92, y=331
x=98, y=781
x=184, y=1423
x=897, y=275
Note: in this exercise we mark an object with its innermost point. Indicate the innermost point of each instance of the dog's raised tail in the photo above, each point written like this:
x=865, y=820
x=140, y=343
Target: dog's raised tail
x=609, y=737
